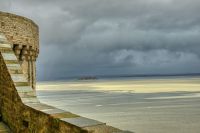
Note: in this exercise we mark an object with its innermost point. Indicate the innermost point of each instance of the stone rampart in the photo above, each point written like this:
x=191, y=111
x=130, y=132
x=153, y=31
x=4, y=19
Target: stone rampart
x=20, y=109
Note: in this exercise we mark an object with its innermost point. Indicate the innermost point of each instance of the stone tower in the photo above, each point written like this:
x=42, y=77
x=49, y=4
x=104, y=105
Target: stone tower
x=20, y=109
x=24, y=35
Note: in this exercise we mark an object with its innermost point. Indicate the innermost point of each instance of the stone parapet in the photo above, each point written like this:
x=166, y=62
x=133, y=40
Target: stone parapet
x=20, y=31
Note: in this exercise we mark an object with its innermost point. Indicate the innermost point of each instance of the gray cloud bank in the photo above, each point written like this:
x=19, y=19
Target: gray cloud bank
x=88, y=37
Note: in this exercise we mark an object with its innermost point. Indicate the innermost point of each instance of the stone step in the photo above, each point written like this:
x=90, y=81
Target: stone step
x=30, y=100
x=53, y=111
x=27, y=94
x=6, y=50
x=9, y=56
x=82, y=122
x=40, y=106
x=13, y=66
x=124, y=132
x=5, y=45
x=13, y=71
x=11, y=61
x=18, y=78
x=17, y=84
x=2, y=36
x=22, y=89
x=65, y=115
x=4, y=41
x=103, y=129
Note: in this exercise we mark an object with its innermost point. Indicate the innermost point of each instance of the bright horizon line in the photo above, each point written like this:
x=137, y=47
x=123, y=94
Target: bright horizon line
x=98, y=76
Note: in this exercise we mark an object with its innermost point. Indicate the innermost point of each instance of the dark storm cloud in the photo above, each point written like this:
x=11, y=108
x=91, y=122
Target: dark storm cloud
x=81, y=37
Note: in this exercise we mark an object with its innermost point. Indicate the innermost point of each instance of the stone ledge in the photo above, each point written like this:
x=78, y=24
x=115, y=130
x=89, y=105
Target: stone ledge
x=6, y=50
x=24, y=89
x=124, y=132
x=5, y=45
x=53, y=111
x=82, y=122
x=21, y=84
x=18, y=78
x=9, y=56
x=30, y=100
x=15, y=71
x=102, y=129
x=11, y=61
x=13, y=66
x=65, y=115
x=27, y=94
x=39, y=106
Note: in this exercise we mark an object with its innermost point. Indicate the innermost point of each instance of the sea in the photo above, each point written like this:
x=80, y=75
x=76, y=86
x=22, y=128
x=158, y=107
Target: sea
x=153, y=104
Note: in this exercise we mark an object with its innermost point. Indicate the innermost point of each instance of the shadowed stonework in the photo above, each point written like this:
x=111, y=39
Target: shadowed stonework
x=20, y=109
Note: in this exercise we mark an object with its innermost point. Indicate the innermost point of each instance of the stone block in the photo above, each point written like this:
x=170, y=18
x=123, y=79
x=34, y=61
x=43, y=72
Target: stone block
x=82, y=122
x=39, y=106
x=9, y=56
x=18, y=78
x=5, y=45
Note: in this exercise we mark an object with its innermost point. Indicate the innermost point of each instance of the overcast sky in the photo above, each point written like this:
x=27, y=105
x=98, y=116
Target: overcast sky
x=107, y=37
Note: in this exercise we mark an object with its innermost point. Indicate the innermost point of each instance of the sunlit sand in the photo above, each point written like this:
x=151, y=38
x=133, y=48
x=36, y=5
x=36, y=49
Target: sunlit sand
x=131, y=85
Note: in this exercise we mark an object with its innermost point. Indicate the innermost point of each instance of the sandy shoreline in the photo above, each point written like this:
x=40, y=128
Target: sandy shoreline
x=130, y=85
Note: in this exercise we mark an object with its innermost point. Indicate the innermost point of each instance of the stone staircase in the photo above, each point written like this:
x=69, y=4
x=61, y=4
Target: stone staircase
x=29, y=99
x=14, y=68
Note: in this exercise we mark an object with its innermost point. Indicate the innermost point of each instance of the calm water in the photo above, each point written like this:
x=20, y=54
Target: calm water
x=140, y=105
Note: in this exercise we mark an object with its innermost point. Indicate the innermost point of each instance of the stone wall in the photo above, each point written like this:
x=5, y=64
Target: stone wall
x=22, y=111
x=19, y=30
x=24, y=35
x=22, y=118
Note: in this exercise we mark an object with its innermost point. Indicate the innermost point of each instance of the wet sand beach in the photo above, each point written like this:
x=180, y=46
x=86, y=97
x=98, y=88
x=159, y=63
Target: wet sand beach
x=148, y=105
